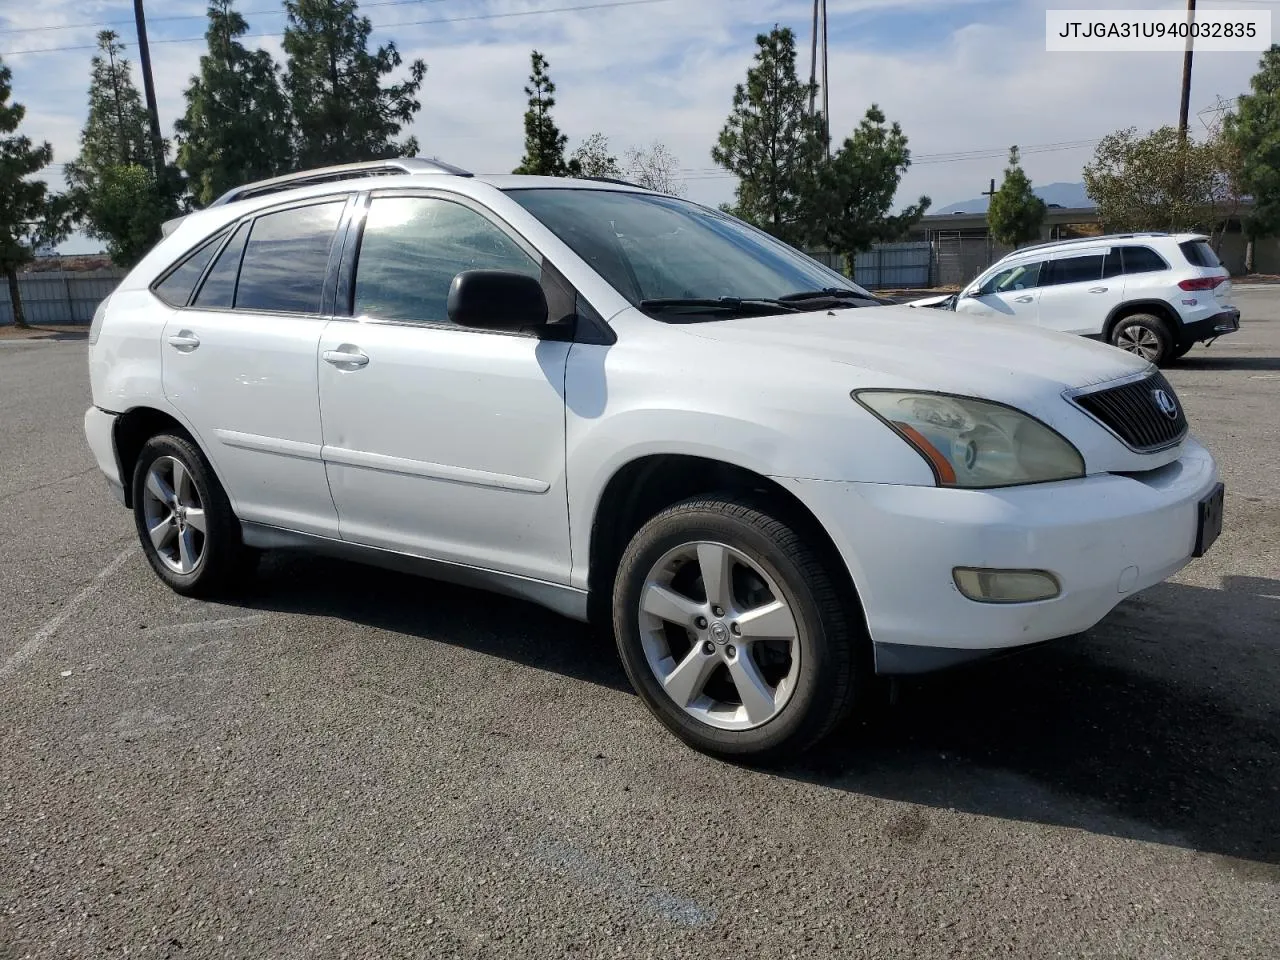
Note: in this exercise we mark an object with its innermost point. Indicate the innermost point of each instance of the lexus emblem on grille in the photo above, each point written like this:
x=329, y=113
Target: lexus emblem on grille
x=1168, y=406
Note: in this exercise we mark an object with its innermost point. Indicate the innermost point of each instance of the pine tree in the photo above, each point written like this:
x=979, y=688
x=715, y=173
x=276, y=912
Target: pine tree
x=1253, y=133
x=543, y=142
x=237, y=126
x=853, y=193
x=29, y=217
x=771, y=142
x=342, y=111
x=1016, y=213
x=115, y=191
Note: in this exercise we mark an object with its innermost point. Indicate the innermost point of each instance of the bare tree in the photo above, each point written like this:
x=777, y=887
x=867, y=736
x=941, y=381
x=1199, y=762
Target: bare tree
x=656, y=168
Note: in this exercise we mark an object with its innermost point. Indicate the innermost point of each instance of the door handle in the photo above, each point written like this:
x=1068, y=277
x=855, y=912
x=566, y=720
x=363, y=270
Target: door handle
x=1097, y=289
x=343, y=358
x=186, y=341
x=1023, y=299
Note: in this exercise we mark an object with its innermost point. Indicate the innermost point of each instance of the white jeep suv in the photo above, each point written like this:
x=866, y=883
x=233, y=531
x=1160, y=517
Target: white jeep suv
x=638, y=411
x=1154, y=294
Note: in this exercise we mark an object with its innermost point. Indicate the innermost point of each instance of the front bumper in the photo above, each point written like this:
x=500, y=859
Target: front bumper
x=99, y=430
x=1104, y=537
x=1210, y=328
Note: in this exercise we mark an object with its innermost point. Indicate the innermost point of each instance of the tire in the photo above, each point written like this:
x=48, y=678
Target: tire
x=192, y=562
x=1144, y=335
x=810, y=667
x=1182, y=351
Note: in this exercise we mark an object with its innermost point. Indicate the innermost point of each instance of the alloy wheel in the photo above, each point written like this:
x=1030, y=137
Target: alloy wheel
x=174, y=514
x=719, y=635
x=1139, y=340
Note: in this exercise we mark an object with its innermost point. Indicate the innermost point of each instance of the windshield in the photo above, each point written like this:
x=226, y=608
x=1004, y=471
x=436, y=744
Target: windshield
x=654, y=248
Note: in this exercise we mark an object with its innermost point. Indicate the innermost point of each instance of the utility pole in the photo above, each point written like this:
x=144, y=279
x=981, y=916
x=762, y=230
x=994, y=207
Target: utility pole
x=813, y=62
x=820, y=11
x=989, y=193
x=149, y=86
x=1186, y=75
x=826, y=89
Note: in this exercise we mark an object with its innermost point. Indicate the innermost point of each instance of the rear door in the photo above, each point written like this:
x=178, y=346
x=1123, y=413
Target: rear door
x=240, y=364
x=1079, y=290
x=1012, y=293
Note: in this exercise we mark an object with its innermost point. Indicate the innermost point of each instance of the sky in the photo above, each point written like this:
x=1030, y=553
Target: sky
x=964, y=78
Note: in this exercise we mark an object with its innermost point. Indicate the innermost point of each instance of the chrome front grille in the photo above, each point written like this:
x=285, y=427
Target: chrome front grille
x=1144, y=413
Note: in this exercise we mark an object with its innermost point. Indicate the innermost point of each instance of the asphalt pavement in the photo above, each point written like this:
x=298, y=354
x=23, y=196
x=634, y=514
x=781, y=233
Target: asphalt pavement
x=355, y=763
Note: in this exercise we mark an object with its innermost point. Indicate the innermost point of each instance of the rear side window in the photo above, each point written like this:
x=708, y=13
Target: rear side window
x=412, y=249
x=1074, y=270
x=1199, y=253
x=1143, y=260
x=286, y=258
x=219, y=287
x=175, y=289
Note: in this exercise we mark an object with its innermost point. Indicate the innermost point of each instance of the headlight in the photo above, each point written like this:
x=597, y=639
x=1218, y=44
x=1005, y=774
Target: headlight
x=975, y=443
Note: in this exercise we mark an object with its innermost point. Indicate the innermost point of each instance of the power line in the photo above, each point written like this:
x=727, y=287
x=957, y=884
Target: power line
x=192, y=16
x=407, y=23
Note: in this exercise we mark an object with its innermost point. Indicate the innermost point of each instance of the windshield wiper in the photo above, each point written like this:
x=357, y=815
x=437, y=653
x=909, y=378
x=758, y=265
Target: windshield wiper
x=755, y=305
x=834, y=293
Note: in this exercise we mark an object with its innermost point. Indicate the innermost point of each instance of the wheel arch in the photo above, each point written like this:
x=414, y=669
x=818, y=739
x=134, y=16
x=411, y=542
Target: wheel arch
x=134, y=428
x=647, y=485
x=1157, y=308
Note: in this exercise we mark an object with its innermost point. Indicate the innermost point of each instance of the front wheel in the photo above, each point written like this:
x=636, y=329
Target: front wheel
x=733, y=631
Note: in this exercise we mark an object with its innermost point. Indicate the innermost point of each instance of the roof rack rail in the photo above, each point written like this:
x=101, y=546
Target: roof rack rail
x=343, y=171
x=1100, y=237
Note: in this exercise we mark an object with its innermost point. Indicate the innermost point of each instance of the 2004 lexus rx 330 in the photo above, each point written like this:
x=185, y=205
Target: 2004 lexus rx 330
x=636, y=410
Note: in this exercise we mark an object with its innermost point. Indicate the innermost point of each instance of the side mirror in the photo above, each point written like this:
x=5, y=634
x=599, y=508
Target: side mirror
x=497, y=300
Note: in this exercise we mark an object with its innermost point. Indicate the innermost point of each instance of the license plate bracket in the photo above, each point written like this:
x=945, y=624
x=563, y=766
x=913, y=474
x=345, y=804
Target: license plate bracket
x=1209, y=520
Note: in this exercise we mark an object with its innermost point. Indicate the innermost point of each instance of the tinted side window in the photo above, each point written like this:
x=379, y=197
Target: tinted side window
x=219, y=287
x=286, y=259
x=1076, y=269
x=175, y=289
x=412, y=249
x=1113, y=265
x=1199, y=253
x=1024, y=276
x=1143, y=260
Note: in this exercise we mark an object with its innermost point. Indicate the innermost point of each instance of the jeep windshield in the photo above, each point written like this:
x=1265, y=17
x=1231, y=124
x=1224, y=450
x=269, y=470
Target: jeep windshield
x=681, y=262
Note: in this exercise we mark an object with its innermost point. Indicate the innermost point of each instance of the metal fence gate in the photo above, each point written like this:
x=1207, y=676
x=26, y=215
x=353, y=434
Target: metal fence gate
x=961, y=257
x=59, y=296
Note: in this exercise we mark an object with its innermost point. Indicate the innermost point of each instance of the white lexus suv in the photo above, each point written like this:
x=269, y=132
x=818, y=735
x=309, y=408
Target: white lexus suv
x=637, y=411
x=1153, y=294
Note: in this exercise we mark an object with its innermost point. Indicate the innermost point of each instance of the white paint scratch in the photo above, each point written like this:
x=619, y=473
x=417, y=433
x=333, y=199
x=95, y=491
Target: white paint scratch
x=37, y=639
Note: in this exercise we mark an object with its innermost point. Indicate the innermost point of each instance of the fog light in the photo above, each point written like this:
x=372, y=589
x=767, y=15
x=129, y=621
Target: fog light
x=1006, y=586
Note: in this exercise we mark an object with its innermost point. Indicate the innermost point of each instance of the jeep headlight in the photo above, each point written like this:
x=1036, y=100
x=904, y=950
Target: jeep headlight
x=975, y=443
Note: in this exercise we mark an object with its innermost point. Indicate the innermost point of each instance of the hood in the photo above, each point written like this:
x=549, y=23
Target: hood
x=995, y=359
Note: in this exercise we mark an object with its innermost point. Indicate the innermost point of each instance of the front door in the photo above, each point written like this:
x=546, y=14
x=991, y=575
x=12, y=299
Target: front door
x=1011, y=294
x=240, y=364
x=442, y=441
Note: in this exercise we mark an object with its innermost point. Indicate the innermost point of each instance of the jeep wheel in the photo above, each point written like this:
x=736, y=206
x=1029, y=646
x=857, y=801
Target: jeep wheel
x=733, y=631
x=1144, y=335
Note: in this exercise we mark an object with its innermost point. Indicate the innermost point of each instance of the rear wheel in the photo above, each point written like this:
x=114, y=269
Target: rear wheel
x=1144, y=335
x=733, y=631
x=185, y=523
